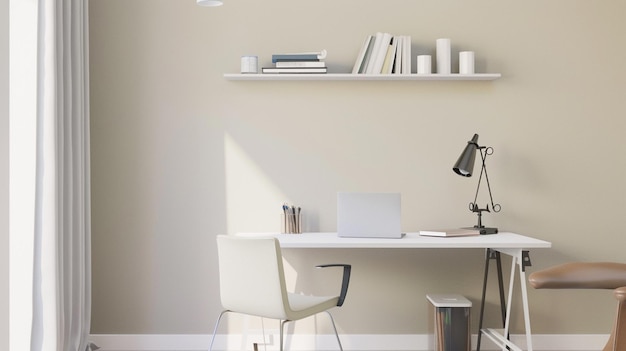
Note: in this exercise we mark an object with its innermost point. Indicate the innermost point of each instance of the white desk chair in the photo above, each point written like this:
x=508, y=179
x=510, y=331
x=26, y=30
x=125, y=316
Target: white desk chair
x=252, y=281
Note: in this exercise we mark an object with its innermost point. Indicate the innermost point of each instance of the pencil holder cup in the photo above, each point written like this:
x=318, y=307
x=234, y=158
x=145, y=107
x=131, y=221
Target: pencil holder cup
x=291, y=223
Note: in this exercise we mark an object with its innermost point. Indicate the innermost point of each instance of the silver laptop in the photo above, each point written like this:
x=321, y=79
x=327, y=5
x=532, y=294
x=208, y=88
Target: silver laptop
x=369, y=215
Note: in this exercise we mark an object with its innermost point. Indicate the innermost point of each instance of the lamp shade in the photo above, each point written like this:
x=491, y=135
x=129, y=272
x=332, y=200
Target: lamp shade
x=209, y=2
x=465, y=164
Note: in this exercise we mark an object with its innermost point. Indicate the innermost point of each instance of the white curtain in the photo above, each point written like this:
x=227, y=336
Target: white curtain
x=62, y=269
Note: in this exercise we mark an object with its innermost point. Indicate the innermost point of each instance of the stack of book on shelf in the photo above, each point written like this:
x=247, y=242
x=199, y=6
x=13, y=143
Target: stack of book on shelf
x=298, y=63
x=383, y=53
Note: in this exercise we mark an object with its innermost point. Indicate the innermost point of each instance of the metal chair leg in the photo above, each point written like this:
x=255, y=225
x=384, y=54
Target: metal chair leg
x=282, y=327
x=282, y=331
x=217, y=324
x=332, y=320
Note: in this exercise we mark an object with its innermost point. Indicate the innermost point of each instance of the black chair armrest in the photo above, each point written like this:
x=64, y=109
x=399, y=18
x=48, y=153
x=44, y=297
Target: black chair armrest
x=344, y=282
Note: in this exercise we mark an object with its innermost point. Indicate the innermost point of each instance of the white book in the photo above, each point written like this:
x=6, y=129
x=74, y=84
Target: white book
x=395, y=55
x=378, y=39
x=406, y=55
x=284, y=64
x=450, y=232
x=292, y=70
x=361, y=58
x=397, y=65
x=380, y=53
x=390, y=57
x=368, y=57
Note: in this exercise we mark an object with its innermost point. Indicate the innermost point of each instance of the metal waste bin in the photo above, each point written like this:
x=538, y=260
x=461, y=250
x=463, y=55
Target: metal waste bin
x=451, y=322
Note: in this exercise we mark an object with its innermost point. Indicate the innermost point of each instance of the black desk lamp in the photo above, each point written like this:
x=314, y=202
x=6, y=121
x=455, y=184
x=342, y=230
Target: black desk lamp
x=464, y=166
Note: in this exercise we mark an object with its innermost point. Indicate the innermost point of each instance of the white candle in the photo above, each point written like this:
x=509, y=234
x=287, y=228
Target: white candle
x=466, y=62
x=443, y=56
x=424, y=64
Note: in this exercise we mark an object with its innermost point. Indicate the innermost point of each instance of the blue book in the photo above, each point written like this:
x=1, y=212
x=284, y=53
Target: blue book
x=305, y=56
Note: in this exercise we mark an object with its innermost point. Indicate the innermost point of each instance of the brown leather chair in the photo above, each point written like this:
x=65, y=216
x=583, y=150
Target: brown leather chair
x=590, y=275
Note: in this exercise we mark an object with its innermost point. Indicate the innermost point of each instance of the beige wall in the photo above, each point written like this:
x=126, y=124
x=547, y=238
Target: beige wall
x=4, y=176
x=179, y=154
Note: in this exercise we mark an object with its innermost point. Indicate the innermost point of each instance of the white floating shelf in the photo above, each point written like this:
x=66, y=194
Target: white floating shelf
x=350, y=76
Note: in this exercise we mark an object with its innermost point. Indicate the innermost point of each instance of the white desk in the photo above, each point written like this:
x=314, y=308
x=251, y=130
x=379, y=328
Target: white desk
x=412, y=241
x=511, y=244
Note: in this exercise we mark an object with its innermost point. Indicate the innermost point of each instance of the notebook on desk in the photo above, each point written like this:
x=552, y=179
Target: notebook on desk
x=369, y=215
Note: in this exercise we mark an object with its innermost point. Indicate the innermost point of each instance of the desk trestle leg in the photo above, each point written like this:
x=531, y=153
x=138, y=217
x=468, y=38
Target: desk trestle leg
x=520, y=260
x=491, y=254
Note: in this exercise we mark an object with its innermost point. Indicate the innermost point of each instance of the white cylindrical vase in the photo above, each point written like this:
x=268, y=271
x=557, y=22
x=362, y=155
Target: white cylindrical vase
x=466, y=62
x=443, y=56
x=249, y=64
x=424, y=64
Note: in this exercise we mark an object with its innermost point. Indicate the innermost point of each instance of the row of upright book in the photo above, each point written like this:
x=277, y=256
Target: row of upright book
x=384, y=53
x=298, y=63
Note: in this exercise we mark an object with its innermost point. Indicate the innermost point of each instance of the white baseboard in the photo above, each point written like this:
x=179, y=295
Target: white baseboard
x=350, y=342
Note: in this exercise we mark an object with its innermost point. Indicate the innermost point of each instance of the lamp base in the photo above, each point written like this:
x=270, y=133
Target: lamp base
x=484, y=230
